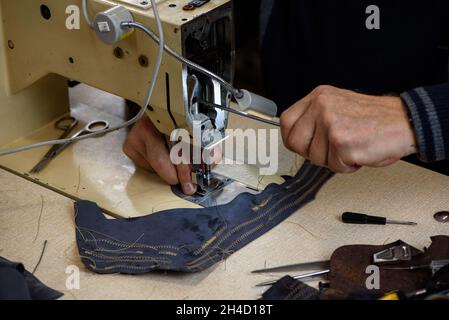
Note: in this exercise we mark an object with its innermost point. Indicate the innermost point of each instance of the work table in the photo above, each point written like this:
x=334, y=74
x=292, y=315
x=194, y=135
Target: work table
x=31, y=213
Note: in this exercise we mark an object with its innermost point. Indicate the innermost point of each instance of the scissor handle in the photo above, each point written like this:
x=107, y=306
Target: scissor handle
x=96, y=126
x=66, y=123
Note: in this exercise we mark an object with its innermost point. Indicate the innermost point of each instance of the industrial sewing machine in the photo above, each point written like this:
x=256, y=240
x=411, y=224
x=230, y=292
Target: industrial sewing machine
x=42, y=47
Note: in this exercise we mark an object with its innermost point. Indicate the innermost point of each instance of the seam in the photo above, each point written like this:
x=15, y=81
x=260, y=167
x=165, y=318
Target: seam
x=208, y=256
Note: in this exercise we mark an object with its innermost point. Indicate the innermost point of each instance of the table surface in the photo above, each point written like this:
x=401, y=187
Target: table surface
x=31, y=214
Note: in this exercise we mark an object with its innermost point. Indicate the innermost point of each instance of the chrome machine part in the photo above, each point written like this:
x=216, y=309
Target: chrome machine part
x=208, y=42
x=221, y=190
x=393, y=255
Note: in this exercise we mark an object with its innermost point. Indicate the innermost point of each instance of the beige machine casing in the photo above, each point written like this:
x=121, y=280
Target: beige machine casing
x=39, y=53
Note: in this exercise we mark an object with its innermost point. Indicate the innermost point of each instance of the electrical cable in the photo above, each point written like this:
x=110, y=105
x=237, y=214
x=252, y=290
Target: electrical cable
x=141, y=113
x=236, y=92
x=86, y=14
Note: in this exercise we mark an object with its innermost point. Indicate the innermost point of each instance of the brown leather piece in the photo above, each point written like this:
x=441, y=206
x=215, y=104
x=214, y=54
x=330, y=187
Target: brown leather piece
x=348, y=269
x=439, y=250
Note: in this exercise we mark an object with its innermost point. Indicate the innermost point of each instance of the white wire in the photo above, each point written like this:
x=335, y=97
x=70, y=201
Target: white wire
x=86, y=14
x=151, y=86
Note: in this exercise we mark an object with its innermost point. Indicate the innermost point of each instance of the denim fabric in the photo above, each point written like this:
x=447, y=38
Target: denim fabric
x=288, y=288
x=189, y=240
x=18, y=284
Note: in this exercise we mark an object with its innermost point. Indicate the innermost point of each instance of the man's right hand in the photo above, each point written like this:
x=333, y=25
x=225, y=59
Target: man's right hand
x=147, y=147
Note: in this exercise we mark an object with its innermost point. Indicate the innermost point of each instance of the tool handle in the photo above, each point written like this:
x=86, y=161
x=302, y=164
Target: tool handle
x=359, y=218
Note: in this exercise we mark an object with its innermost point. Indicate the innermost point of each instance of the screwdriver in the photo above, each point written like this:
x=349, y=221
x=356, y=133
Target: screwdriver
x=359, y=218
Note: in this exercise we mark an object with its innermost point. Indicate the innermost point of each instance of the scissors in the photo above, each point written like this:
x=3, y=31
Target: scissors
x=67, y=124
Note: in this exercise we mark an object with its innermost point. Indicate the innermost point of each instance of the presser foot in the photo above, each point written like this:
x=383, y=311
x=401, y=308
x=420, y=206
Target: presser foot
x=220, y=190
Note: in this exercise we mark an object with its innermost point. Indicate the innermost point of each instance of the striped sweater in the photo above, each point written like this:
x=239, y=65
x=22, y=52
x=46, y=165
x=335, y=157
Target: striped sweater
x=429, y=112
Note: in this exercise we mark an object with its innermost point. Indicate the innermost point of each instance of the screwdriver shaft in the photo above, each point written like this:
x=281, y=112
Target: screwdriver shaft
x=404, y=223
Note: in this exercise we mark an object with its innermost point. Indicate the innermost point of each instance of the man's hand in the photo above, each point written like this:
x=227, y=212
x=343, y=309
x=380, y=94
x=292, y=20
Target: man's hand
x=344, y=130
x=147, y=147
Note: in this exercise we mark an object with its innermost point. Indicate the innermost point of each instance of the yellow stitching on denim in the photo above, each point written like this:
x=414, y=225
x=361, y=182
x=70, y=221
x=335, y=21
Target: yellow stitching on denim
x=88, y=258
x=137, y=245
x=225, y=237
x=263, y=204
x=299, y=179
x=290, y=205
x=136, y=258
x=245, y=235
x=268, y=210
x=118, y=252
x=192, y=264
x=209, y=242
x=133, y=261
x=312, y=188
x=168, y=253
x=121, y=243
x=124, y=266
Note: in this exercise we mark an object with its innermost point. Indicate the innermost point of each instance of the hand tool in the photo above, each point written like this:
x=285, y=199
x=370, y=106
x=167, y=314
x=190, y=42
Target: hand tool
x=442, y=216
x=66, y=124
x=298, y=267
x=435, y=266
x=300, y=277
x=359, y=218
x=91, y=127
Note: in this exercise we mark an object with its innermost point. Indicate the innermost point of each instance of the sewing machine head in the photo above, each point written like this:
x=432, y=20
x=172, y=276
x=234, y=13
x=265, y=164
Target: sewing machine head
x=48, y=43
x=50, y=37
x=42, y=41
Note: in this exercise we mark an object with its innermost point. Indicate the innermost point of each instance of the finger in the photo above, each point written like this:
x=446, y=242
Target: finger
x=158, y=156
x=301, y=135
x=184, y=172
x=291, y=116
x=131, y=148
x=336, y=164
x=319, y=148
x=137, y=158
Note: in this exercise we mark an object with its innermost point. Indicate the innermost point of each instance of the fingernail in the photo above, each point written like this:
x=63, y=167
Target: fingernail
x=188, y=188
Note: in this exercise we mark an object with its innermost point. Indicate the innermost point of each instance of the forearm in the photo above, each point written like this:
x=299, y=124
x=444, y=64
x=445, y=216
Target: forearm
x=429, y=112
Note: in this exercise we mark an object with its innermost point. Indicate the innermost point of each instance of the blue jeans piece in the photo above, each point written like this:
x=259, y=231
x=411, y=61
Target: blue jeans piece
x=189, y=240
x=288, y=288
x=18, y=284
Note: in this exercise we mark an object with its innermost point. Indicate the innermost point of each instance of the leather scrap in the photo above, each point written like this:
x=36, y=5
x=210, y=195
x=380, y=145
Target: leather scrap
x=349, y=263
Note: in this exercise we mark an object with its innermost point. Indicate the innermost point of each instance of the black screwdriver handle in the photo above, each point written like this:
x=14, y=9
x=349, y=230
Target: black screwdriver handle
x=359, y=218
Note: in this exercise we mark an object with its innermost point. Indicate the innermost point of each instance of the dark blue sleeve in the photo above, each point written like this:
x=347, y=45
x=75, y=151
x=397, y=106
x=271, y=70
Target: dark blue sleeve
x=429, y=112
